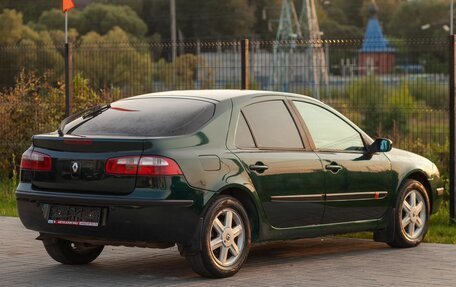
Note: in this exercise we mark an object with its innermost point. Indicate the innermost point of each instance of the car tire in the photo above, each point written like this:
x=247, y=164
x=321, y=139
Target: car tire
x=71, y=253
x=225, y=239
x=411, y=215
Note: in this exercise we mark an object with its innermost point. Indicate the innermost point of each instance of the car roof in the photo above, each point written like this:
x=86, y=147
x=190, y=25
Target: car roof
x=216, y=95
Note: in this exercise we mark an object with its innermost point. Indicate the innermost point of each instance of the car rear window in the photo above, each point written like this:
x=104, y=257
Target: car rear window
x=148, y=117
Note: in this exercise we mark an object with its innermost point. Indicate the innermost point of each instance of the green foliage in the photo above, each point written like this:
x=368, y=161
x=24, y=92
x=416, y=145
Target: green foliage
x=25, y=107
x=407, y=20
x=11, y=27
x=35, y=106
x=234, y=18
x=333, y=30
x=202, y=18
x=351, y=9
x=7, y=197
x=440, y=230
x=435, y=95
x=102, y=18
x=30, y=9
x=136, y=5
x=183, y=72
x=266, y=14
x=54, y=19
x=386, y=9
x=385, y=107
x=23, y=48
x=109, y=60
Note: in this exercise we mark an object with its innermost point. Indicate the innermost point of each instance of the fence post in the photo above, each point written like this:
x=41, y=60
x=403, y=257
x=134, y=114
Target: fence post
x=68, y=78
x=245, y=64
x=452, y=129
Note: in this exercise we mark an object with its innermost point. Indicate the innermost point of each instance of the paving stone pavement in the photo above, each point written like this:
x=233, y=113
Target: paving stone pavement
x=325, y=261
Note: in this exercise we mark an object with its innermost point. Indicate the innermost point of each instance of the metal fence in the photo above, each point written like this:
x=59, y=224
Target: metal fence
x=400, y=91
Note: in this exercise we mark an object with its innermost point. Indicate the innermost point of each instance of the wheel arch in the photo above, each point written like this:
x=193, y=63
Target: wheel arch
x=421, y=177
x=247, y=199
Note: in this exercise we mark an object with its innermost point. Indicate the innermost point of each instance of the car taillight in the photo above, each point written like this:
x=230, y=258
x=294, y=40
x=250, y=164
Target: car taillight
x=142, y=165
x=123, y=165
x=36, y=161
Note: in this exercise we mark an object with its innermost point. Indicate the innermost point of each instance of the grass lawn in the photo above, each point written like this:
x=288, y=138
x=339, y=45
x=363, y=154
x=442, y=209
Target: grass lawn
x=7, y=198
x=440, y=231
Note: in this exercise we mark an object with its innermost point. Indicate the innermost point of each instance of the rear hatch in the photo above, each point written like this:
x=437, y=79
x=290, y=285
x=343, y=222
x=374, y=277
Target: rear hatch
x=78, y=154
x=78, y=165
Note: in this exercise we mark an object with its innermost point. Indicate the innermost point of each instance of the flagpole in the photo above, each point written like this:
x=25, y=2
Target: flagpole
x=67, y=69
x=66, y=27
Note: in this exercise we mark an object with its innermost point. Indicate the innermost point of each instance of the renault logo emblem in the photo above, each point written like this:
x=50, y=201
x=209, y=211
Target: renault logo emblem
x=75, y=167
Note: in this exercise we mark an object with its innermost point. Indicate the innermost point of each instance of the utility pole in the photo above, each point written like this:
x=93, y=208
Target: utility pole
x=172, y=12
x=451, y=17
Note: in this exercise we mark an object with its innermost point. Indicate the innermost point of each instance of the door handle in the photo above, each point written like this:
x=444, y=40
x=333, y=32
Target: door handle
x=333, y=167
x=258, y=167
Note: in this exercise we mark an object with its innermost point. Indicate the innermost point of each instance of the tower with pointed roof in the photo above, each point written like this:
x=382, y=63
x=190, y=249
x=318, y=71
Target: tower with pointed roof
x=376, y=56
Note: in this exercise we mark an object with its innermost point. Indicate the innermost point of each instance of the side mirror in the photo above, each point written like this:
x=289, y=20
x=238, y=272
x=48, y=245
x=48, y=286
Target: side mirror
x=381, y=145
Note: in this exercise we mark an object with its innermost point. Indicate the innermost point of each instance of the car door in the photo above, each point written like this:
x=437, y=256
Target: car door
x=357, y=183
x=287, y=177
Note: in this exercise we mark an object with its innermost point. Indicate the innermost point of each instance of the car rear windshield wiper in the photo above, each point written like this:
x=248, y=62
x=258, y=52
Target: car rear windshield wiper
x=89, y=113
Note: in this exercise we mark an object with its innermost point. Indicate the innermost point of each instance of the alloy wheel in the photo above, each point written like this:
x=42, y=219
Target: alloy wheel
x=227, y=237
x=414, y=215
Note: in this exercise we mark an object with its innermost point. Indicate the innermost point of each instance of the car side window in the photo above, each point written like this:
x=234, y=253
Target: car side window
x=272, y=125
x=243, y=138
x=328, y=131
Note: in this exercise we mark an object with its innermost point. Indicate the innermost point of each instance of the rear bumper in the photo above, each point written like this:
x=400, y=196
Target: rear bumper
x=128, y=219
x=84, y=199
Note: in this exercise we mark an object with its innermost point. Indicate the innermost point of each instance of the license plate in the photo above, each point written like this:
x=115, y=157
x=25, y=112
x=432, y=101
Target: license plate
x=74, y=215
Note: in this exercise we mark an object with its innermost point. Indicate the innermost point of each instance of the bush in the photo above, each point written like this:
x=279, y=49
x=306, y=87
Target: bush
x=35, y=106
x=433, y=94
x=386, y=109
x=184, y=72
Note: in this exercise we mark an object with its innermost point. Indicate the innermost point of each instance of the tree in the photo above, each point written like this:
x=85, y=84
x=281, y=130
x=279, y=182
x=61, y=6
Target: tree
x=331, y=18
x=25, y=49
x=267, y=14
x=351, y=9
x=202, y=18
x=101, y=18
x=183, y=72
x=386, y=109
x=408, y=20
x=54, y=19
x=35, y=105
x=386, y=9
x=31, y=10
x=112, y=61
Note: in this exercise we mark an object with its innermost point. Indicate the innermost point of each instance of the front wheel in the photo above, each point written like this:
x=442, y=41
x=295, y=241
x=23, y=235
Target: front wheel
x=72, y=253
x=225, y=239
x=412, y=215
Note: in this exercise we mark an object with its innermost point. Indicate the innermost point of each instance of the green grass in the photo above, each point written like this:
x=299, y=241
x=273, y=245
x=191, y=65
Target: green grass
x=440, y=230
x=7, y=197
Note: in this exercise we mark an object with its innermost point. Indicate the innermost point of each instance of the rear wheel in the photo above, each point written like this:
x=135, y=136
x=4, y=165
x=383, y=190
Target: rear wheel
x=412, y=215
x=72, y=253
x=225, y=240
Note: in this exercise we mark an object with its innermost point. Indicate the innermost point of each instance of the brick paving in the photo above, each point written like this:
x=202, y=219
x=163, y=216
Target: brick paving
x=325, y=261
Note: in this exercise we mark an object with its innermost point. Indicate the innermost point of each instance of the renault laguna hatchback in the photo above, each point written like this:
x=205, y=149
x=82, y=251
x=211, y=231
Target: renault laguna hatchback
x=214, y=171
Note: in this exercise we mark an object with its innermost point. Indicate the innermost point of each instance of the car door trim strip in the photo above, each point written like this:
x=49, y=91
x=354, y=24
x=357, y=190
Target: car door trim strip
x=356, y=196
x=332, y=196
x=306, y=197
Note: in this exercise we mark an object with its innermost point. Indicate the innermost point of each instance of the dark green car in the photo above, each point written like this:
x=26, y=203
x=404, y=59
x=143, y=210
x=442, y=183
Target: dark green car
x=214, y=171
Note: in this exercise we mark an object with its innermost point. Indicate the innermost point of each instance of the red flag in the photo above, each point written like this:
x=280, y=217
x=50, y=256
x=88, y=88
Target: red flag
x=67, y=5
